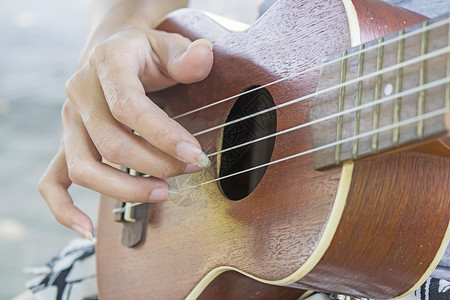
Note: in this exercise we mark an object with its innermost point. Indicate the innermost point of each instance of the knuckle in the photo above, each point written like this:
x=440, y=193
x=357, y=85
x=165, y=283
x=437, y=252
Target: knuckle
x=119, y=101
x=73, y=85
x=66, y=110
x=98, y=54
x=78, y=174
x=43, y=186
x=111, y=148
x=69, y=116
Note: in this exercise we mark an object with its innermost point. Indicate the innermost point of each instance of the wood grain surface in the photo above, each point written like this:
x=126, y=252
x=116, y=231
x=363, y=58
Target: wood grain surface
x=271, y=233
x=391, y=222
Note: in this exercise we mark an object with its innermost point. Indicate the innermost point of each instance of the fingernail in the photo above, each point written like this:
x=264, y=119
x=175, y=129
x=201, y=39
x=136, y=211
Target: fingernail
x=173, y=194
x=83, y=232
x=191, y=169
x=159, y=194
x=201, y=42
x=192, y=155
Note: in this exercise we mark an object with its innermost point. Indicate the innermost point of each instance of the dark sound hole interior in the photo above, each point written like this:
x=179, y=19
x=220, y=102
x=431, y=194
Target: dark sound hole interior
x=255, y=154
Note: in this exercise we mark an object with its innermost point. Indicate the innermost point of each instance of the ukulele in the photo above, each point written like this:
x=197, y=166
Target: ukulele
x=330, y=167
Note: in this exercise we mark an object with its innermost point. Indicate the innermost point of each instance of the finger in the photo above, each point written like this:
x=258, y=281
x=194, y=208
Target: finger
x=115, y=142
x=129, y=105
x=53, y=188
x=181, y=59
x=86, y=169
x=119, y=145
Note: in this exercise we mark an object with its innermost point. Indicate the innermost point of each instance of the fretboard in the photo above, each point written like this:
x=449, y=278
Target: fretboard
x=383, y=95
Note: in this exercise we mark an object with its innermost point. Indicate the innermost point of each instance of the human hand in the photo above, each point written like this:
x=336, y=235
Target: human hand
x=106, y=98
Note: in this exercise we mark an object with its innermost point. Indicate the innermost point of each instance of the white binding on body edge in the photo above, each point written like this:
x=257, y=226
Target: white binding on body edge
x=353, y=24
x=336, y=212
x=316, y=255
x=355, y=37
x=434, y=263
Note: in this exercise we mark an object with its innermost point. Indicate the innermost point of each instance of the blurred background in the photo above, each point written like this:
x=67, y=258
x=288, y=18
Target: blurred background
x=39, y=46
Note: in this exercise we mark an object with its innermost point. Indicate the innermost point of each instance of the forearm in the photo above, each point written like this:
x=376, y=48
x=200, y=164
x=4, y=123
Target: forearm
x=110, y=16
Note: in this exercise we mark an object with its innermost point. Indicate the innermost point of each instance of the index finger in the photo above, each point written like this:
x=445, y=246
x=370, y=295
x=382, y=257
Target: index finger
x=126, y=98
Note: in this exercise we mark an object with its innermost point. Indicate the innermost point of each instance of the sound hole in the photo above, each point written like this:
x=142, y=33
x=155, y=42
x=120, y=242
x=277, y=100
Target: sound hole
x=255, y=154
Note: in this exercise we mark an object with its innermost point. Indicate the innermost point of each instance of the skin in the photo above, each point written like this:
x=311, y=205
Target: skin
x=122, y=60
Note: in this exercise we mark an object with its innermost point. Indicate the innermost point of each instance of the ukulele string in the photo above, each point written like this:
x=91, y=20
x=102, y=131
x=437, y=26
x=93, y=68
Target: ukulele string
x=349, y=139
x=317, y=67
x=326, y=90
x=425, y=116
x=404, y=93
x=389, y=127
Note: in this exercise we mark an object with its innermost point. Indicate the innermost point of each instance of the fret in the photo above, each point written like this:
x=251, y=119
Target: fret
x=447, y=86
x=358, y=103
x=394, y=72
x=376, y=109
x=337, y=155
x=398, y=87
x=422, y=80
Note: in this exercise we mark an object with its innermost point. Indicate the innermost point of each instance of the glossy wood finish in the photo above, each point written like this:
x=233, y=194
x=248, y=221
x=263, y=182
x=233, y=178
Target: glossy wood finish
x=379, y=18
x=233, y=285
x=272, y=232
x=391, y=222
x=233, y=230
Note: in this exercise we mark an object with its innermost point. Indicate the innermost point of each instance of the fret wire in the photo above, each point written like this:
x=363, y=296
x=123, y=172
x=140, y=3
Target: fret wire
x=349, y=139
x=386, y=99
x=326, y=90
x=341, y=108
x=422, y=79
x=385, y=128
x=447, y=87
x=398, y=88
x=376, y=109
x=447, y=105
x=358, y=103
x=407, y=35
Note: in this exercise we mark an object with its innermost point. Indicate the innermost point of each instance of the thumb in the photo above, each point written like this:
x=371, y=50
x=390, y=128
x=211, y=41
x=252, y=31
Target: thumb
x=182, y=60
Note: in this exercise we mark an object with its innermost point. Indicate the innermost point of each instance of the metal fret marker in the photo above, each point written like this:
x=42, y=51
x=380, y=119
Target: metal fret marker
x=398, y=88
x=358, y=103
x=376, y=109
x=337, y=155
x=422, y=80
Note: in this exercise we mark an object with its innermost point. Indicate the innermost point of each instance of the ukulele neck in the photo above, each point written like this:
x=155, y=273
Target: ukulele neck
x=383, y=95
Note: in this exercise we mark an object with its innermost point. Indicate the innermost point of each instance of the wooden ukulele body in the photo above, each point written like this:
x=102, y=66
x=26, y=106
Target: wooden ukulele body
x=372, y=228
